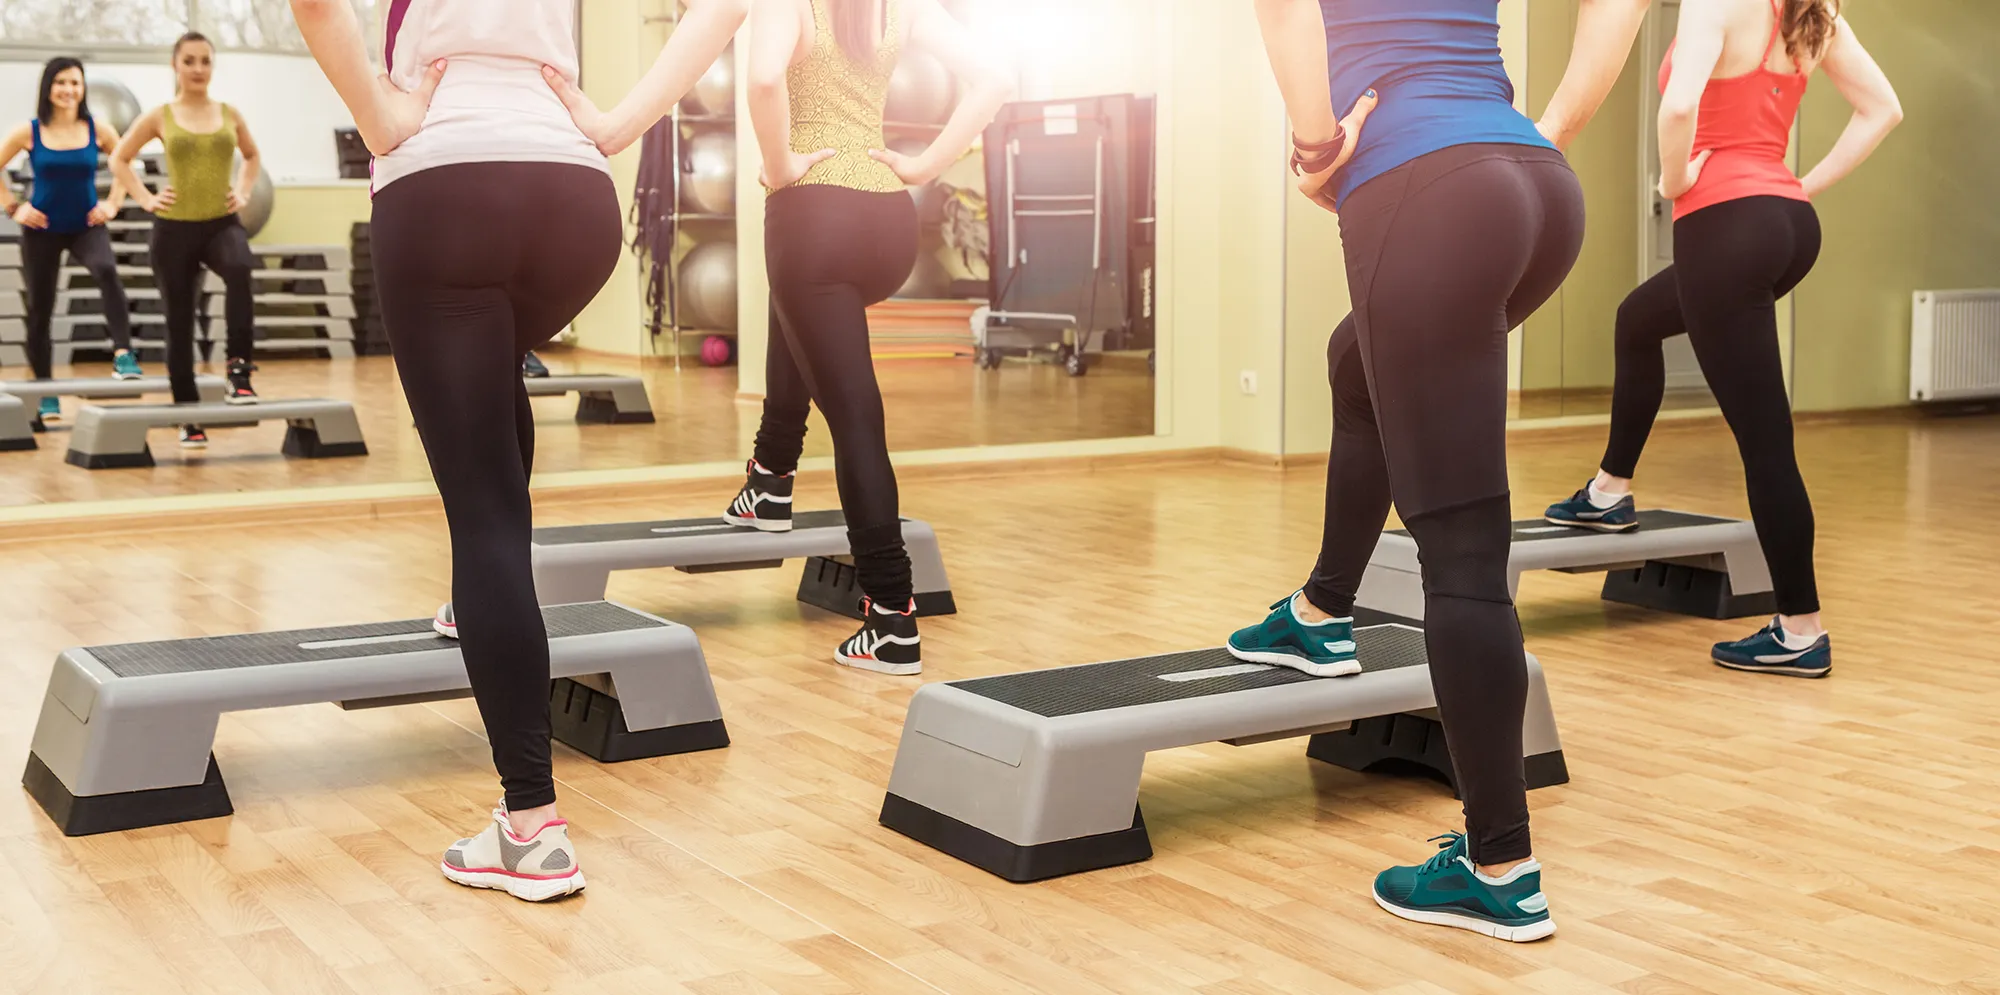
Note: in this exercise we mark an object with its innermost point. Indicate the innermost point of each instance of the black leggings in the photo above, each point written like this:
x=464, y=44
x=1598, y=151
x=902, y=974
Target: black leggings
x=1444, y=255
x=41, y=267
x=831, y=252
x=179, y=251
x=475, y=264
x=1732, y=262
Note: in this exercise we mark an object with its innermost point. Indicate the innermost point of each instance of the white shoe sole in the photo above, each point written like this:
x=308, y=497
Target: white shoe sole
x=760, y=524
x=239, y=400
x=525, y=889
x=877, y=666
x=1753, y=668
x=447, y=631
x=1592, y=526
x=128, y=376
x=1345, y=668
x=1512, y=934
x=194, y=445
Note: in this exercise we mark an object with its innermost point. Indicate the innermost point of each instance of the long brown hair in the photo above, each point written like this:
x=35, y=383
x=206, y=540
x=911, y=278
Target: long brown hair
x=855, y=28
x=1808, y=26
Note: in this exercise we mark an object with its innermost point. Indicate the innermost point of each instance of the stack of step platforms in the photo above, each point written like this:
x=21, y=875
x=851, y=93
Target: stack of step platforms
x=371, y=338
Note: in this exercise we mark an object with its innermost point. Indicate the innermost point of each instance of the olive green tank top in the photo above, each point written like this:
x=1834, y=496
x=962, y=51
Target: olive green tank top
x=200, y=166
x=837, y=104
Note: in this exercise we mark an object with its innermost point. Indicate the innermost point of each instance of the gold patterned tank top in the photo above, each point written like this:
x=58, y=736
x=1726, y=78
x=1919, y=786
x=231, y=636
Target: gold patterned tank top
x=200, y=165
x=837, y=104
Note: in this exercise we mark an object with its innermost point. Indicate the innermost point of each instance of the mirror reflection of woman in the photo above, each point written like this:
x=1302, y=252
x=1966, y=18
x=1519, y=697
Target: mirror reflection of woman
x=1745, y=234
x=195, y=221
x=64, y=214
x=495, y=222
x=840, y=235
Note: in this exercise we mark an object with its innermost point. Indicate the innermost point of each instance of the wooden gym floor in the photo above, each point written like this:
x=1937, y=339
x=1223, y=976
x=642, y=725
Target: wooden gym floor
x=1724, y=832
x=932, y=404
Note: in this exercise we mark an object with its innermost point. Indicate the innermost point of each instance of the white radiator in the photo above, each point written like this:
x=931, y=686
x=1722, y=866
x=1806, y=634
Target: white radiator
x=1955, y=345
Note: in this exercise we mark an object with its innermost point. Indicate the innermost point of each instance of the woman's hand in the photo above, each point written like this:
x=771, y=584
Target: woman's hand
x=1674, y=187
x=1314, y=185
x=399, y=113
x=789, y=167
x=234, y=202
x=100, y=214
x=159, y=201
x=911, y=169
x=609, y=132
x=27, y=216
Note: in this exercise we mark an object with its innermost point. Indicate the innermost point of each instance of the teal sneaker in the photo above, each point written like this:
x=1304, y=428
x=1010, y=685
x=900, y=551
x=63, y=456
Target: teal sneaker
x=49, y=411
x=1323, y=649
x=125, y=366
x=1766, y=652
x=1447, y=890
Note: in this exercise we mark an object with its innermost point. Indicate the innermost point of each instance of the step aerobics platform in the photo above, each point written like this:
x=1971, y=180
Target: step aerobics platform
x=574, y=563
x=1674, y=561
x=16, y=430
x=115, y=435
x=127, y=733
x=600, y=397
x=1036, y=775
x=210, y=389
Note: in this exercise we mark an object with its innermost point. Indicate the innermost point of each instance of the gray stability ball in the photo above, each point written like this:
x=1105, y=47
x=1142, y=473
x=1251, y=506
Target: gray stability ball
x=715, y=91
x=920, y=91
x=112, y=102
x=708, y=183
x=708, y=287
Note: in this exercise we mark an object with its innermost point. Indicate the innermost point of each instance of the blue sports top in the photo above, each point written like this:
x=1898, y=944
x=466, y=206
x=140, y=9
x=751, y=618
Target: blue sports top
x=65, y=182
x=1436, y=66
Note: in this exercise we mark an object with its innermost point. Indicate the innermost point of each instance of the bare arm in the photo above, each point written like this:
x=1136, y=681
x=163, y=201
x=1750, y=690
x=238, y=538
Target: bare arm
x=107, y=142
x=985, y=86
x=143, y=130
x=1876, y=109
x=698, y=40
x=385, y=115
x=14, y=144
x=774, y=39
x=253, y=161
x=1605, y=31
x=1697, y=50
x=1295, y=40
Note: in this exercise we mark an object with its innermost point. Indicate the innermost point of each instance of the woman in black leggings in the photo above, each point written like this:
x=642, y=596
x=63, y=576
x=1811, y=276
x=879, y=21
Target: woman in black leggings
x=1458, y=218
x=840, y=234
x=1745, y=234
x=495, y=222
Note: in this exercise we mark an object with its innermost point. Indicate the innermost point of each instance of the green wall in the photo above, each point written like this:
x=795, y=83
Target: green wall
x=1922, y=214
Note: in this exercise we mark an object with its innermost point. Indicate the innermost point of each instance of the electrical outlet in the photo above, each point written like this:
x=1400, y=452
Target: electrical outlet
x=1247, y=380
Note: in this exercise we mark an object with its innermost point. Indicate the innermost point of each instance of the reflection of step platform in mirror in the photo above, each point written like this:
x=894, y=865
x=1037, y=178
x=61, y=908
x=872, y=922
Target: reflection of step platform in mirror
x=574, y=563
x=295, y=281
x=127, y=733
x=16, y=431
x=115, y=436
x=1674, y=561
x=600, y=397
x=274, y=332
x=1036, y=774
x=210, y=388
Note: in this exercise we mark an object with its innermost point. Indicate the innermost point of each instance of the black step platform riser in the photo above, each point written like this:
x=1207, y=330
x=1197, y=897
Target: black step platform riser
x=303, y=443
x=1685, y=590
x=1414, y=746
x=835, y=586
x=93, y=814
x=603, y=411
x=1012, y=861
x=592, y=723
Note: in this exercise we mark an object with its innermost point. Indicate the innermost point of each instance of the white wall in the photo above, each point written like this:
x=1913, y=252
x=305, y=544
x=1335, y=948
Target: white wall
x=291, y=108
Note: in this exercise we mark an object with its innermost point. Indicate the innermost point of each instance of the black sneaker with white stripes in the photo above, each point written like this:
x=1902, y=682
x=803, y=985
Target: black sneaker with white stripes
x=764, y=503
x=887, y=643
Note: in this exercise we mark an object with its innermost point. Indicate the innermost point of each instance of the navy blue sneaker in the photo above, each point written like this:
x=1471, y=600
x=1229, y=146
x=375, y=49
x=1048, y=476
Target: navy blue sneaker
x=1322, y=650
x=1578, y=512
x=1766, y=653
x=1447, y=890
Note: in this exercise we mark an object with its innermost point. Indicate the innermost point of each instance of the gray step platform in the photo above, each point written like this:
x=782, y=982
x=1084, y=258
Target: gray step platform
x=63, y=327
x=14, y=330
x=115, y=436
x=13, y=306
x=13, y=354
x=331, y=281
x=10, y=279
x=600, y=397
x=574, y=563
x=127, y=733
x=1036, y=775
x=16, y=429
x=210, y=389
x=337, y=305
x=1674, y=561
x=10, y=256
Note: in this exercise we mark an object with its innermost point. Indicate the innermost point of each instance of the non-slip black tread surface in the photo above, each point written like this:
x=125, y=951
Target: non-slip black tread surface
x=570, y=535
x=266, y=649
x=1532, y=529
x=1122, y=683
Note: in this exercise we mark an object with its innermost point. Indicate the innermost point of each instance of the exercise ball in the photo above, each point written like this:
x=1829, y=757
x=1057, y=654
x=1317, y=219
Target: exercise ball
x=919, y=91
x=708, y=174
x=708, y=287
x=715, y=91
x=911, y=146
x=263, y=196
x=112, y=102
x=717, y=351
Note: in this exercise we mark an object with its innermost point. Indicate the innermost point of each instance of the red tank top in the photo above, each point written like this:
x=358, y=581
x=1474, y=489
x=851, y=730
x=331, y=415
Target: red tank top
x=1747, y=123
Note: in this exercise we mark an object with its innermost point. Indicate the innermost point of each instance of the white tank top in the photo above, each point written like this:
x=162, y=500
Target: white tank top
x=493, y=104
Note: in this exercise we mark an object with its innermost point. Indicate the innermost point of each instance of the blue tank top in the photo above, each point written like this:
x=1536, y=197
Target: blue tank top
x=65, y=182
x=1436, y=66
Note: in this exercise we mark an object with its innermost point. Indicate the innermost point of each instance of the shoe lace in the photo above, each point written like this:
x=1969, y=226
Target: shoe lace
x=1450, y=845
x=1286, y=600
